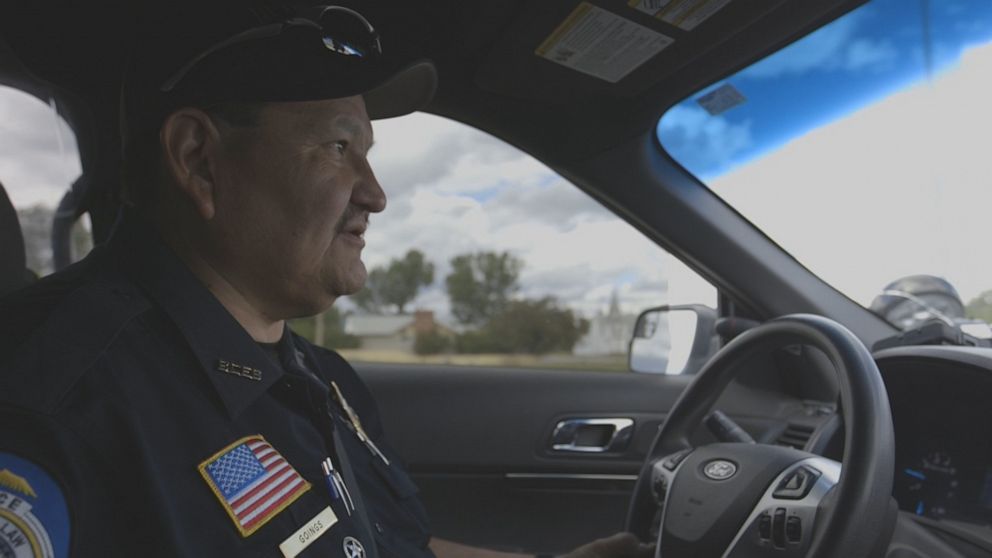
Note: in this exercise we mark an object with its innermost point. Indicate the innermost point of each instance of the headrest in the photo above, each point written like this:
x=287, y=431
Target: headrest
x=12, y=258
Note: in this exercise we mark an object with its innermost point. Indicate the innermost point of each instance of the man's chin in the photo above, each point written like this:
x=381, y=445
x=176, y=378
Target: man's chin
x=349, y=283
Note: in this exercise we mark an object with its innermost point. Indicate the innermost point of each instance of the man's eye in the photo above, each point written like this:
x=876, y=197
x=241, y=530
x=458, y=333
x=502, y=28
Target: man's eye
x=340, y=147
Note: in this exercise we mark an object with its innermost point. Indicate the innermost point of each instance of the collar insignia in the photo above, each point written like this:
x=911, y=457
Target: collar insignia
x=239, y=370
x=253, y=482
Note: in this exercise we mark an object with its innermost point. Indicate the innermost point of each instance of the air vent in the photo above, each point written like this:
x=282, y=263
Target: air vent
x=795, y=436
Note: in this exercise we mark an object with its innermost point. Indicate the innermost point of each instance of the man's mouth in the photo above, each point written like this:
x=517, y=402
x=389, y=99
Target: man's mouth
x=352, y=226
x=354, y=231
x=357, y=229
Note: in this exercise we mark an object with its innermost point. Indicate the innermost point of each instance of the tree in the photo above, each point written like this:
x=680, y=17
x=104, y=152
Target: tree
x=980, y=307
x=332, y=324
x=480, y=284
x=405, y=277
x=430, y=342
x=536, y=327
x=526, y=326
x=370, y=297
x=396, y=284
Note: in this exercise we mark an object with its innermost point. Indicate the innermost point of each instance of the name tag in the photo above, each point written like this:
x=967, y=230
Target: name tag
x=305, y=536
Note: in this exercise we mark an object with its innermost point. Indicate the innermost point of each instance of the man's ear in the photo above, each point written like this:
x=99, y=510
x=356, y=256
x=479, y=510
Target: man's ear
x=189, y=143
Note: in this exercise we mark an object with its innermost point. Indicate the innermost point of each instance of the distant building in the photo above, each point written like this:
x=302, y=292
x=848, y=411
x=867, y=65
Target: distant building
x=391, y=333
x=609, y=334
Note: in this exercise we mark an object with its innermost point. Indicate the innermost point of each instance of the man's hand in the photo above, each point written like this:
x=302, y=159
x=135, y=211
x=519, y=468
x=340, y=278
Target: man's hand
x=621, y=545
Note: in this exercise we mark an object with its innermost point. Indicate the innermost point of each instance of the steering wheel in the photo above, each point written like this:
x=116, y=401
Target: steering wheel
x=756, y=500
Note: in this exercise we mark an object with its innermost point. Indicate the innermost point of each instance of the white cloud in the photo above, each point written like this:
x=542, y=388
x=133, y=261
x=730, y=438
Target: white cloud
x=576, y=264
x=549, y=199
x=823, y=48
x=874, y=55
x=901, y=187
x=704, y=141
x=421, y=149
x=834, y=47
x=486, y=195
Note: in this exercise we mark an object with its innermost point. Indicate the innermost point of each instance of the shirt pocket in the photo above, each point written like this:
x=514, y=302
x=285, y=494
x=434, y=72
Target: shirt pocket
x=404, y=529
x=330, y=540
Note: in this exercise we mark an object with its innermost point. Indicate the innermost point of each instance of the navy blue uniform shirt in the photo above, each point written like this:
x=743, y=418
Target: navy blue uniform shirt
x=138, y=418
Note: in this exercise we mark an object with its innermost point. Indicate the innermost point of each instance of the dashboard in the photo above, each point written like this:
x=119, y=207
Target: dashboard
x=941, y=399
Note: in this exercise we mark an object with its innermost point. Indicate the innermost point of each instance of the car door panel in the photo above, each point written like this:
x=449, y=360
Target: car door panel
x=478, y=443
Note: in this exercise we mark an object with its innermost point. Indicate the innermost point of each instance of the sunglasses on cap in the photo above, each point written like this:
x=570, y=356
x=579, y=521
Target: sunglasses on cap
x=342, y=32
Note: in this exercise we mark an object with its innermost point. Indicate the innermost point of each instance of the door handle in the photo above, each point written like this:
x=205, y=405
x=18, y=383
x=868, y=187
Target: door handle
x=592, y=435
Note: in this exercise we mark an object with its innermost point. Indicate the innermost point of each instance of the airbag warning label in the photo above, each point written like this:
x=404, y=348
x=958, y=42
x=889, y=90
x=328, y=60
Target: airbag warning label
x=602, y=44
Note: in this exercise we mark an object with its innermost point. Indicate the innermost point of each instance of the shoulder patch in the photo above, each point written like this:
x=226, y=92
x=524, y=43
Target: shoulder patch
x=252, y=481
x=34, y=518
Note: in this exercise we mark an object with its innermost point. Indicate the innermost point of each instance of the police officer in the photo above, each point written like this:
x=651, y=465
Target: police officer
x=152, y=400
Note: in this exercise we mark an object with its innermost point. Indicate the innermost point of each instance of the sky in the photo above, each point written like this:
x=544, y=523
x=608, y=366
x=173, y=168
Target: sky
x=856, y=156
x=38, y=154
x=853, y=62
x=860, y=218
x=452, y=190
x=907, y=188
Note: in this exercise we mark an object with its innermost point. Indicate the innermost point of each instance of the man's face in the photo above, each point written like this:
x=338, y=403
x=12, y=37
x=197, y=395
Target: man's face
x=293, y=196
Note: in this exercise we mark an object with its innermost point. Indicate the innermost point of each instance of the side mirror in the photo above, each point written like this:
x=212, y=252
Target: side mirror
x=673, y=339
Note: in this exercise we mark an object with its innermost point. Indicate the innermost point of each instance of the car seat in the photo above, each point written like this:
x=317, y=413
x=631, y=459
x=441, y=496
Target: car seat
x=13, y=267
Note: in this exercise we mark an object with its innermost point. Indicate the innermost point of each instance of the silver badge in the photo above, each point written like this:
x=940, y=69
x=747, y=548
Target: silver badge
x=720, y=469
x=353, y=548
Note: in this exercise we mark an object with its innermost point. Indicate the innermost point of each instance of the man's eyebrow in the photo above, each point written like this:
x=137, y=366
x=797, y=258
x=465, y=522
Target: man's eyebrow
x=351, y=125
x=354, y=127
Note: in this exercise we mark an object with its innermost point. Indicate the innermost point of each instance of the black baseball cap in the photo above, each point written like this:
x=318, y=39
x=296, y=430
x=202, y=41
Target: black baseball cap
x=228, y=52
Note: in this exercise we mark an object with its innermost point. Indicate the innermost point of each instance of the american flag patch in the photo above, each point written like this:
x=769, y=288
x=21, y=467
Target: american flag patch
x=253, y=482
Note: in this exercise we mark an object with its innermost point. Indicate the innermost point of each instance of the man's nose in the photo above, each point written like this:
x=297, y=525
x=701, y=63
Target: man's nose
x=368, y=193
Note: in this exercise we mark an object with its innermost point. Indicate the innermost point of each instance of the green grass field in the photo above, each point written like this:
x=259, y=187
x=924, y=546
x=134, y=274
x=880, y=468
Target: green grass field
x=611, y=363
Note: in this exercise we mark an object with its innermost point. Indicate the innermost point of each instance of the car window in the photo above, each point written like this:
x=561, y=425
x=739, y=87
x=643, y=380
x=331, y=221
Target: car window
x=484, y=256
x=862, y=149
x=39, y=161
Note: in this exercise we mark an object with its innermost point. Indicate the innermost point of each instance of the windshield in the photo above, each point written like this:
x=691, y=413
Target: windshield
x=863, y=149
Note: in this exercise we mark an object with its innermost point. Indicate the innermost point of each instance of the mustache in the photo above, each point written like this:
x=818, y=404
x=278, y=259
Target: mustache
x=352, y=218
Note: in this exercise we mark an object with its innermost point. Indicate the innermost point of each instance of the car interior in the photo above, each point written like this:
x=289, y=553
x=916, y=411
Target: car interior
x=794, y=439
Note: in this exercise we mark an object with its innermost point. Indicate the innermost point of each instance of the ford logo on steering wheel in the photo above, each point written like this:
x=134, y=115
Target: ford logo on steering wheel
x=719, y=469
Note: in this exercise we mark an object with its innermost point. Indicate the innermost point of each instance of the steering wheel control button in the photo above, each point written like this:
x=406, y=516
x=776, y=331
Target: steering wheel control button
x=778, y=528
x=660, y=486
x=719, y=469
x=794, y=529
x=765, y=526
x=672, y=461
x=797, y=484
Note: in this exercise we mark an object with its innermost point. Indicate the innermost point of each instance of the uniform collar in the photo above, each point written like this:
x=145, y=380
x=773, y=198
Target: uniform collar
x=235, y=365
